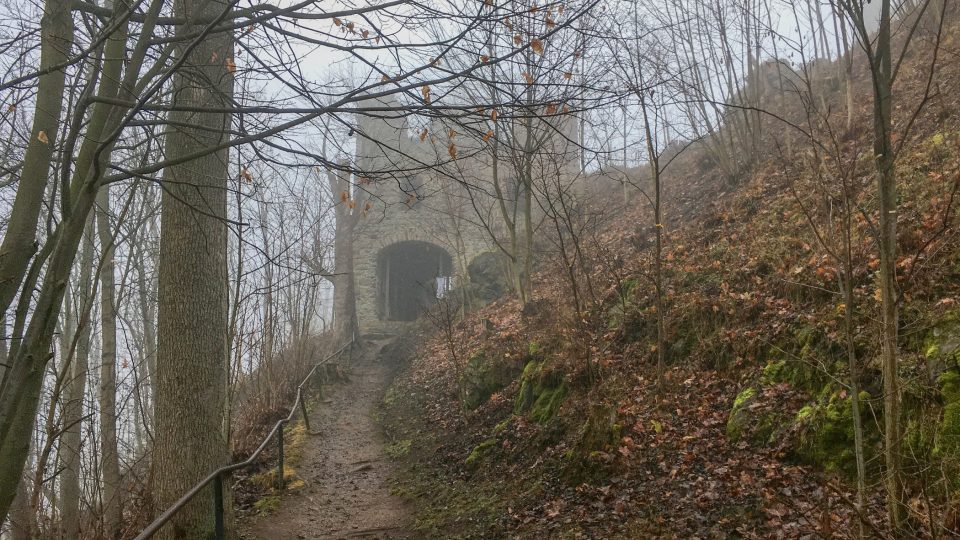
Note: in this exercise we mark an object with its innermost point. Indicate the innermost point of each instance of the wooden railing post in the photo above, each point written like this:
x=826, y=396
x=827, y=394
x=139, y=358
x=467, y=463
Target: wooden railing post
x=218, y=528
x=280, y=482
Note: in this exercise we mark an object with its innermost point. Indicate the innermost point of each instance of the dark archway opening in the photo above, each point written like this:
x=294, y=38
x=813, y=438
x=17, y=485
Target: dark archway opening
x=411, y=276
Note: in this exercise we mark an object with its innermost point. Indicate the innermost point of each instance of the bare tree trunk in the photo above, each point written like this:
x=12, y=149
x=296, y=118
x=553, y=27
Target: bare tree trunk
x=887, y=186
x=852, y=363
x=345, y=324
x=149, y=316
x=654, y=160
x=77, y=346
x=526, y=177
x=192, y=348
x=20, y=389
x=22, y=519
x=19, y=242
x=108, y=370
x=509, y=219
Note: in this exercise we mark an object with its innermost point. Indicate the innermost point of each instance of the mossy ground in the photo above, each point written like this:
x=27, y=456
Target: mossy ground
x=295, y=438
x=459, y=487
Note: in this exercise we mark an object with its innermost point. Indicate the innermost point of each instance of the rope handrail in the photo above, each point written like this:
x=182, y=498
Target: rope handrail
x=216, y=477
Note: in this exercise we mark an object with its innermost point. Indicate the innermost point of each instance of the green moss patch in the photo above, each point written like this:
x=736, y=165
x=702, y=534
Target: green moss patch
x=948, y=433
x=825, y=434
x=541, y=392
x=479, y=451
x=742, y=422
x=399, y=449
x=267, y=504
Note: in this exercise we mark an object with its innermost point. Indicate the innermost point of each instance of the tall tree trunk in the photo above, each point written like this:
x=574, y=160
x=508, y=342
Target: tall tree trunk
x=345, y=322
x=23, y=381
x=148, y=315
x=852, y=363
x=192, y=348
x=22, y=518
x=108, y=371
x=19, y=242
x=78, y=345
x=653, y=158
x=887, y=187
x=20, y=397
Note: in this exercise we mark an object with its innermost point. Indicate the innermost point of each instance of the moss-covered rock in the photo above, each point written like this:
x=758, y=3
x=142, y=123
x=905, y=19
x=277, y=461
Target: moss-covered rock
x=483, y=376
x=948, y=433
x=741, y=415
x=548, y=403
x=600, y=431
x=541, y=392
x=588, y=457
x=794, y=360
x=825, y=433
x=941, y=344
x=755, y=421
x=950, y=386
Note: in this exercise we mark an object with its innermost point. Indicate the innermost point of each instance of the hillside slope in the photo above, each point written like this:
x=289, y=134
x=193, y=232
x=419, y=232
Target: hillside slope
x=546, y=423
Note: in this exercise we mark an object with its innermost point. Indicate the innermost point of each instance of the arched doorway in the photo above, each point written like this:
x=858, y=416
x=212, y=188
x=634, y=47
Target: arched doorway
x=411, y=276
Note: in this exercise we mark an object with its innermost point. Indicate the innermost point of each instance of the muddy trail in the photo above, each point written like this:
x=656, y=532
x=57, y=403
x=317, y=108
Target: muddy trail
x=344, y=467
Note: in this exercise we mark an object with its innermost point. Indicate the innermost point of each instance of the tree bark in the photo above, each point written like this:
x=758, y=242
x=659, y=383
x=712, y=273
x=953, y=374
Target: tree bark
x=192, y=349
x=653, y=157
x=108, y=371
x=887, y=189
x=345, y=322
x=19, y=242
x=22, y=519
x=70, y=444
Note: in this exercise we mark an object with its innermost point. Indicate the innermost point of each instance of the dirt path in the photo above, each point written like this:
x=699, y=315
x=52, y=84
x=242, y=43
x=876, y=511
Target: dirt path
x=345, y=468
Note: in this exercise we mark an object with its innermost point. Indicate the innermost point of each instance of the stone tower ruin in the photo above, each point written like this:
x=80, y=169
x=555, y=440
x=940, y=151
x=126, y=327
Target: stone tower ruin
x=420, y=232
x=410, y=248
